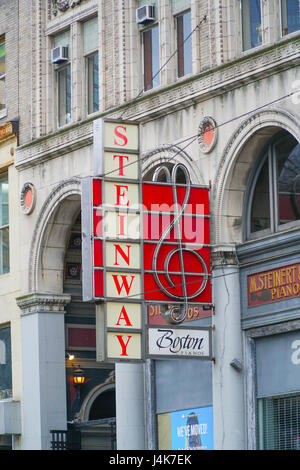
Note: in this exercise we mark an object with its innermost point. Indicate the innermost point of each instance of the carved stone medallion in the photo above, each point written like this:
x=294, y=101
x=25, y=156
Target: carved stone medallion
x=207, y=134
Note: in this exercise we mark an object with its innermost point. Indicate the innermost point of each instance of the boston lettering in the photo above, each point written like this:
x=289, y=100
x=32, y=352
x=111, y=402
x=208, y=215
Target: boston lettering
x=176, y=344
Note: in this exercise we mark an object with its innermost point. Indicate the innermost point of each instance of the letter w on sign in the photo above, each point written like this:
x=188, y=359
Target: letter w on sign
x=124, y=284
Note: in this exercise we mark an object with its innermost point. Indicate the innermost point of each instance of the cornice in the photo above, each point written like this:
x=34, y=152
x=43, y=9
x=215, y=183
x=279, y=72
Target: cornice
x=42, y=303
x=54, y=145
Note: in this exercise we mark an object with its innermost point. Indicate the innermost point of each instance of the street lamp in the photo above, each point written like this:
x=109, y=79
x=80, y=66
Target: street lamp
x=79, y=377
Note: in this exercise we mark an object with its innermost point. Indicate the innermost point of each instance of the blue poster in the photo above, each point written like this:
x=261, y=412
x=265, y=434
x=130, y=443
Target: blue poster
x=192, y=429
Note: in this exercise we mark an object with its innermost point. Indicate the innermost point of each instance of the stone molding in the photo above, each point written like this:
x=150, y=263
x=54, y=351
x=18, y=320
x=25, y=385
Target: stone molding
x=224, y=256
x=54, y=145
x=64, y=189
x=157, y=102
x=42, y=303
x=209, y=83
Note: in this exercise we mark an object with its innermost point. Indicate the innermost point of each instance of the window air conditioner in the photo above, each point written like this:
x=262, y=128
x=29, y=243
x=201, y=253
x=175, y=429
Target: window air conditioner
x=59, y=54
x=145, y=14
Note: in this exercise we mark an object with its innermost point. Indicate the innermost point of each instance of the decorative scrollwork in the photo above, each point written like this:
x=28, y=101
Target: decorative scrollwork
x=63, y=5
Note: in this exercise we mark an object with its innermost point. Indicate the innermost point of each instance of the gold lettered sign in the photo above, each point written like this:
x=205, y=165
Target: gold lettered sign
x=273, y=285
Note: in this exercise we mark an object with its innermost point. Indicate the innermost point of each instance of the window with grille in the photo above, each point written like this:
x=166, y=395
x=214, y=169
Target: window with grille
x=279, y=423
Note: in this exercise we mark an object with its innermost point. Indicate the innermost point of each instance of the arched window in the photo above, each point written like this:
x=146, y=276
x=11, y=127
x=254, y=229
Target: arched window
x=273, y=199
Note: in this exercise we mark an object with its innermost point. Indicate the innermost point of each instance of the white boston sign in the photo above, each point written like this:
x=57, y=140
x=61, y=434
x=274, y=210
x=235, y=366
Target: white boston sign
x=179, y=342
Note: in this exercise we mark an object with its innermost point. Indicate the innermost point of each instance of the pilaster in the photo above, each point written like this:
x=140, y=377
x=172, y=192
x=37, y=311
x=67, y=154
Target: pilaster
x=43, y=367
x=228, y=370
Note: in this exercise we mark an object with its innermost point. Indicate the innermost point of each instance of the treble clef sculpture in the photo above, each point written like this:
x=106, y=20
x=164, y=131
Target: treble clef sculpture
x=177, y=314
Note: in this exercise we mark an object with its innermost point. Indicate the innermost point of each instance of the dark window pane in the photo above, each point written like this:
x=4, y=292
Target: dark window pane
x=290, y=16
x=151, y=58
x=251, y=23
x=5, y=364
x=184, y=44
x=2, y=56
x=92, y=83
x=64, y=96
x=155, y=57
x=288, y=179
x=3, y=201
x=260, y=210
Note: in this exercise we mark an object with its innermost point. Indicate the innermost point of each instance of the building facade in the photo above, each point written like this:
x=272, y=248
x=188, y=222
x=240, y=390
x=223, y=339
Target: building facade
x=214, y=86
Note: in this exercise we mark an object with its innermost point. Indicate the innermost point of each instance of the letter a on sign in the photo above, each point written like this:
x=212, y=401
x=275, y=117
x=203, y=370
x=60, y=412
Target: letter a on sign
x=123, y=316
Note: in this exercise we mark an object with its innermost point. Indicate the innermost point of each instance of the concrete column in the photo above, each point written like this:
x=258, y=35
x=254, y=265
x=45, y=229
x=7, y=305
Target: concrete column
x=43, y=368
x=228, y=373
x=130, y=411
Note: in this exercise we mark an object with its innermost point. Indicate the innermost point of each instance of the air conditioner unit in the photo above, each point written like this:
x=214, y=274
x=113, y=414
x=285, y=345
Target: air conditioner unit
x=59, y=54
x=145, y=14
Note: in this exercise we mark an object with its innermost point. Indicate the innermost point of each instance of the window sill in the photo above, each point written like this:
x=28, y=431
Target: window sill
x=289, y=35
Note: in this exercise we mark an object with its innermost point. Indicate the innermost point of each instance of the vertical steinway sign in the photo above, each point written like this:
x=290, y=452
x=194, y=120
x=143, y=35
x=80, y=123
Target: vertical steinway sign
x=111, y=240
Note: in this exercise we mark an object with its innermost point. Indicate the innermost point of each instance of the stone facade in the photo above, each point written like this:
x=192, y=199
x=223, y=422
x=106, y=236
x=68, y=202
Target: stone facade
x=248, y=94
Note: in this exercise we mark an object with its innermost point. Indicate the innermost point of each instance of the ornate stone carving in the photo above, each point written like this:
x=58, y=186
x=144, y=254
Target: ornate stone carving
x=207, y=134
x=180, y=95
x=63, y=5
x=39, y=303
x=28, y=198
x=224, y=256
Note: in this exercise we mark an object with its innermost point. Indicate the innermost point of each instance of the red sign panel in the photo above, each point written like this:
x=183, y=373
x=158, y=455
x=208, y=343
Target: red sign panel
x=176, y=243
x=273, y=285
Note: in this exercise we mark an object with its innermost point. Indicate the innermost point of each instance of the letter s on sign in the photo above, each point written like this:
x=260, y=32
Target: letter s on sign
x=122, y=139
x=295, y=358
